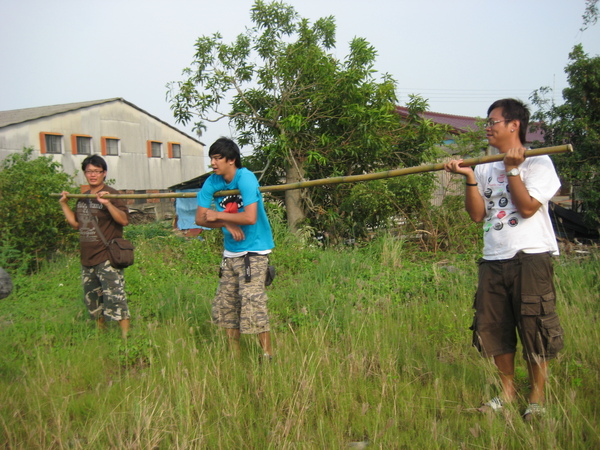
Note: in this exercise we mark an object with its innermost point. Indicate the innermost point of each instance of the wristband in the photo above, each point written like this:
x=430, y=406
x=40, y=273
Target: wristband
x=471, y=184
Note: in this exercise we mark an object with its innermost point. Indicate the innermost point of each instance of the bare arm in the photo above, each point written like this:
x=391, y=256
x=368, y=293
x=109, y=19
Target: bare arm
x=118, y=215
x=67, y=211
x=474, y=203
x=217, y=219
x=525, y=203
x=231, y=221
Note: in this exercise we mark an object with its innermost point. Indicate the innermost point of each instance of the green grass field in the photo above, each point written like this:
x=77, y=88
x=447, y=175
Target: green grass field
x=372, y=348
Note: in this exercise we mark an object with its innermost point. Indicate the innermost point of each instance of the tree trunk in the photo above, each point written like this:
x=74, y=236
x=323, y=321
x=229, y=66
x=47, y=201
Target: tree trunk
x=293, y=199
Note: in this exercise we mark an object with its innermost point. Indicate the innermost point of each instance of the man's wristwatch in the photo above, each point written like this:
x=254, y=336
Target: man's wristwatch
x=513, y=172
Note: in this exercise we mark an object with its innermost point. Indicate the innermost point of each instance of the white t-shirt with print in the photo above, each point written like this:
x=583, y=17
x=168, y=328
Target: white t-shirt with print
x=505, y=231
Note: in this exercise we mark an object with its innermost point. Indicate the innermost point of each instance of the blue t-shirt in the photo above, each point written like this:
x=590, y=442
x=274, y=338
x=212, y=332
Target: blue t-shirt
x=258, y=236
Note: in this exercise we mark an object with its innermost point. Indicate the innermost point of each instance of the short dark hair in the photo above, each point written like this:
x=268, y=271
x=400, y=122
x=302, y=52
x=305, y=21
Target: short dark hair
x=513, y=109
x=94, y=160
x=227, y=149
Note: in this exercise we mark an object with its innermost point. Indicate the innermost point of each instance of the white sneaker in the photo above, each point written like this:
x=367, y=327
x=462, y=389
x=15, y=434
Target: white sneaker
x=494, y=405
x=533, y=410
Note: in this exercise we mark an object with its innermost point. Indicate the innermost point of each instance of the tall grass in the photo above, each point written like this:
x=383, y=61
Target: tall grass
x=372, y=347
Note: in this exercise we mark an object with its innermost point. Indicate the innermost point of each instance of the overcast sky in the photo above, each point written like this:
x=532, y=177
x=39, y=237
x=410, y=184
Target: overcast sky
x=461, y=55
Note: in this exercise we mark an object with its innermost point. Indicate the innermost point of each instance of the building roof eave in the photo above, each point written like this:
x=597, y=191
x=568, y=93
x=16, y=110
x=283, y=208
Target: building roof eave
x=19, y=116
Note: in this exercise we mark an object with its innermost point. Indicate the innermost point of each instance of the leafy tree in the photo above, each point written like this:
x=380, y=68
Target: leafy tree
x=590, y=16
x=576, y=121
x=355, y=210
x=307, y=114
x=32, y=225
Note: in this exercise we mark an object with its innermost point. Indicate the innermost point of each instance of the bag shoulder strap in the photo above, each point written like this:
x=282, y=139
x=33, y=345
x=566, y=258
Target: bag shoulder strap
x=95, y=223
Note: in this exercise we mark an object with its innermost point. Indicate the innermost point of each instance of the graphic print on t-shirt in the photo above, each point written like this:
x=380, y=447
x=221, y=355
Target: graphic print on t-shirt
x=232, y=203
x=85, y=216
x=500, y=208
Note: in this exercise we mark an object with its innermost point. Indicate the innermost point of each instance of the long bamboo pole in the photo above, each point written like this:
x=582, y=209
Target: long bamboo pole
x=339, y=180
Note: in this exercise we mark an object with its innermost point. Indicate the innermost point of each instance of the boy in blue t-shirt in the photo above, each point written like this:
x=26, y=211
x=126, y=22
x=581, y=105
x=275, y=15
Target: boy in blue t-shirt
x=240, y=305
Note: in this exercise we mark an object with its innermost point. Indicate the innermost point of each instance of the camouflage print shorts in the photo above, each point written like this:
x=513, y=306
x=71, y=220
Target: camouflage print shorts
x=241, y=304
x=104, y=291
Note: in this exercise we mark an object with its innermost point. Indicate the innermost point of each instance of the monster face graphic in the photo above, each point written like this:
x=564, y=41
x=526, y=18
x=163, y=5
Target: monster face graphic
x=232, y=203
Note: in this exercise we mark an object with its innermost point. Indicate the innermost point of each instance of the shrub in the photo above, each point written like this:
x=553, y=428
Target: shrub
x=32, y=225
x=449, y=228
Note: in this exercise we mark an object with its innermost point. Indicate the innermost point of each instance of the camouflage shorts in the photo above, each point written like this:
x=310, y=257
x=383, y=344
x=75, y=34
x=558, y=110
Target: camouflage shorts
x=241, y=304
x=104, y=291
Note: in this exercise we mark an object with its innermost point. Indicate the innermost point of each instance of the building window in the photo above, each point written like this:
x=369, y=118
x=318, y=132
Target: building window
x=81, y=144
x=110, y=146
x=154, y=149
x=51, y=143
x=175, y=150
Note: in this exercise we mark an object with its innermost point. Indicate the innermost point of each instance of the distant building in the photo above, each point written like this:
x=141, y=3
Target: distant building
x=448, y=184
x=461, y=124
x=144, y=154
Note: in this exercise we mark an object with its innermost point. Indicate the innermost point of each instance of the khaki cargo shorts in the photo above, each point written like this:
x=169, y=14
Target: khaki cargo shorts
x=239, y=303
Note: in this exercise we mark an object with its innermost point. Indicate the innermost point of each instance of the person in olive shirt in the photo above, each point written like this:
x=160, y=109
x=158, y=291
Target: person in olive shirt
x=103, y=285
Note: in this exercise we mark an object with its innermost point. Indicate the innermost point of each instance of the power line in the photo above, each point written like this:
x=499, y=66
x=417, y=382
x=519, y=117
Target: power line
x=465, y=101
x=467, y=94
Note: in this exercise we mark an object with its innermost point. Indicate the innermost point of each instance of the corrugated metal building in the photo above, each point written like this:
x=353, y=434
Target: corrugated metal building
x=143, y=153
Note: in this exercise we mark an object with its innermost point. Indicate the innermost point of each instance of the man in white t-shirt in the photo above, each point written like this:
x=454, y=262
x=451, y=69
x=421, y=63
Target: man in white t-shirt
x=515, y=292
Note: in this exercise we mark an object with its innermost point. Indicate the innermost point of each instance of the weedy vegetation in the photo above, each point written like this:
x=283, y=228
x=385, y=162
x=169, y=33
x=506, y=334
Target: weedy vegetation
x=372, y=348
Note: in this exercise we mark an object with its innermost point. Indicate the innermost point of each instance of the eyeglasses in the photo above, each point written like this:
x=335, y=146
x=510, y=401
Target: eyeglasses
x=94, y=172
x=490, y=123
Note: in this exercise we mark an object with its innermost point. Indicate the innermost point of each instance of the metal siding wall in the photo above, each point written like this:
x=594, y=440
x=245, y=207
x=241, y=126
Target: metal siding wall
x=132, y=169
